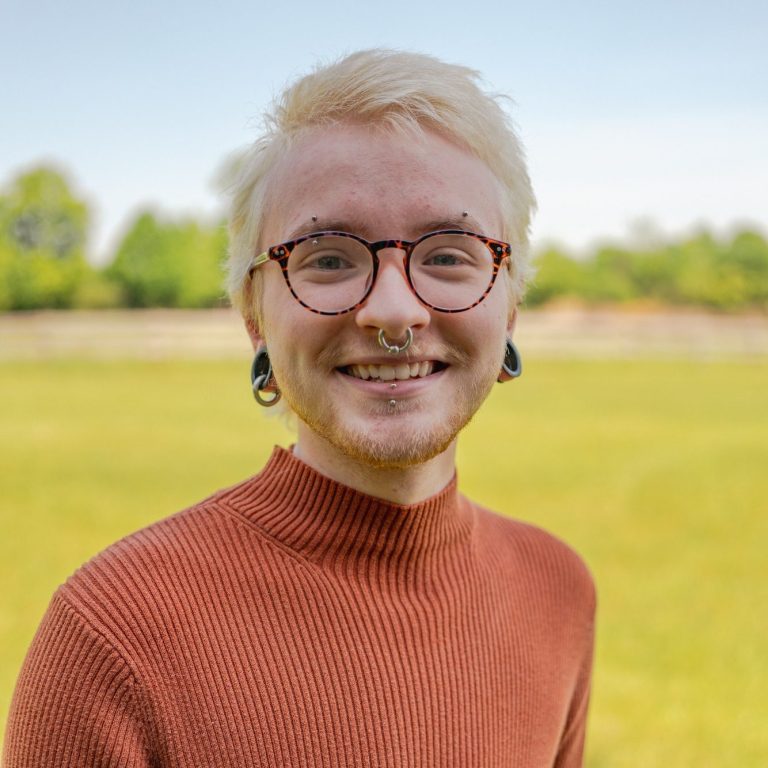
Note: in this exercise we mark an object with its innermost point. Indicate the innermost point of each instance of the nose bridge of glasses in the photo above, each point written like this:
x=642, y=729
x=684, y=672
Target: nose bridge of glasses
x=385, y=245
x=386, y=274
x=384, y=263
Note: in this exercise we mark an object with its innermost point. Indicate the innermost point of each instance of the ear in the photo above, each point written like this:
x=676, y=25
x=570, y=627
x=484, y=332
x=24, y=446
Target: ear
x=257, y=340
x=511, y=323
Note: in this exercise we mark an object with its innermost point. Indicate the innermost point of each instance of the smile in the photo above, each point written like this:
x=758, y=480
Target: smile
x=399, y=372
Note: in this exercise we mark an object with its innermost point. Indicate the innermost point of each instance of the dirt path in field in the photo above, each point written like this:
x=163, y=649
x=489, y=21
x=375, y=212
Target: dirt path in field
x=564, y=332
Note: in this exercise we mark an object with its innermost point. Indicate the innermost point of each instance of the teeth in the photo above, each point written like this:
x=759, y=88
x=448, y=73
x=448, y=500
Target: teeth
x=401, y=372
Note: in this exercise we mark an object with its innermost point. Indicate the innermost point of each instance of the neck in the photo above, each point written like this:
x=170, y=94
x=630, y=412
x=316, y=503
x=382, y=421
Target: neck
x=400, y=485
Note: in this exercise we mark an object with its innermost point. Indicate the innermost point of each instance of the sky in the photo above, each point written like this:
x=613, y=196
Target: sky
x=639, y=119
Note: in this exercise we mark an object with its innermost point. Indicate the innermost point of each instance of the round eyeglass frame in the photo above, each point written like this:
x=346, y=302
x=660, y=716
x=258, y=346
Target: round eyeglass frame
x=280, y=253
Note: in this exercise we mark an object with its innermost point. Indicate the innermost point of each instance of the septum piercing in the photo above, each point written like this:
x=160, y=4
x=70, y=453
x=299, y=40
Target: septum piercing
x=394, y=349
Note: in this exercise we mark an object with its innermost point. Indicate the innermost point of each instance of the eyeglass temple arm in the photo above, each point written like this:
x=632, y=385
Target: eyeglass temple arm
x=257, y=261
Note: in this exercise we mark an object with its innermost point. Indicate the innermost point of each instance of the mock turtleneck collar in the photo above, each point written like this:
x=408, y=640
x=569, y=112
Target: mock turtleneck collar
x=332, y=524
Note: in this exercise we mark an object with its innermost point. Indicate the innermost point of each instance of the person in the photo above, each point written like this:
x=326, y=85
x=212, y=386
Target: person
x=346, y=606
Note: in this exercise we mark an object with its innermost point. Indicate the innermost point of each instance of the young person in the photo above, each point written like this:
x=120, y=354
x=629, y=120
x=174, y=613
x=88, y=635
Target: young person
x=346, y=606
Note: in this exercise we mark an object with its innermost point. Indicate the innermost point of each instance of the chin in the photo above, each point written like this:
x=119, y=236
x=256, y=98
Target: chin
x=398, y=451
x=387, y=440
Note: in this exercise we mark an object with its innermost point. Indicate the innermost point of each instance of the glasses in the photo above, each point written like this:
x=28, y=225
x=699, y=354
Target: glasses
x=331, y=273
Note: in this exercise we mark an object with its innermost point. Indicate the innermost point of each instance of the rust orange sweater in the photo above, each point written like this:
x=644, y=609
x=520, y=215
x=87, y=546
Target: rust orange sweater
x=291, y=621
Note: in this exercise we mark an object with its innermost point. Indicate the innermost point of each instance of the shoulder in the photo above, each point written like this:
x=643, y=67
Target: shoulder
x=155, y=571
x=541, y=558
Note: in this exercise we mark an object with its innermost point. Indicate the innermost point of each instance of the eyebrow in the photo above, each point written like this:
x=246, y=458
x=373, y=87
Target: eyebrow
x=357, y=226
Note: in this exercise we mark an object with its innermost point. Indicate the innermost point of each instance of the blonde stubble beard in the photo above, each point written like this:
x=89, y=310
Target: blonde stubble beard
x=396, y=446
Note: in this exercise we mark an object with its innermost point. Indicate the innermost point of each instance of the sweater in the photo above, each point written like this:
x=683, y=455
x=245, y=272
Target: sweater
x=292, y=621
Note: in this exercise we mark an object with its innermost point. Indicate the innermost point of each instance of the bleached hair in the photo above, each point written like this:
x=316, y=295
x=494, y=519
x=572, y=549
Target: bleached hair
x=398, y=91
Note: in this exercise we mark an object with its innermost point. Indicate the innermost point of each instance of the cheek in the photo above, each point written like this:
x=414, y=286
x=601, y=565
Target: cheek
x=489, y=333
x=277, y=311
x=490, y=318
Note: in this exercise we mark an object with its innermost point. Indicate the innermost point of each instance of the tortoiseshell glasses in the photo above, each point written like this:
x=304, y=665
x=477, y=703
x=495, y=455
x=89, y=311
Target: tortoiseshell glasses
x=334, y=272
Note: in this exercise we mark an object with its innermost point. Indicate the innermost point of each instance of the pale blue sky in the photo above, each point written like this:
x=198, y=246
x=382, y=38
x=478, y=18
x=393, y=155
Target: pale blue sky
x=629, y=110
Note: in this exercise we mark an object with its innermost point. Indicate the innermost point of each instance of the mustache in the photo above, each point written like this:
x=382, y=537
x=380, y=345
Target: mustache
x=337, y=353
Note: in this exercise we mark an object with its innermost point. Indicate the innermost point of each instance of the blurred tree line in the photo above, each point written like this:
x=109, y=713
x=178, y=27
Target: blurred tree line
x=703, y=271
x=162, y=263
x=158, y=263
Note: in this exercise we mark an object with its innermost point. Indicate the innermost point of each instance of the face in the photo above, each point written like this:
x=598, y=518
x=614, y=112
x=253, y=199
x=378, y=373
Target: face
x=379, y=186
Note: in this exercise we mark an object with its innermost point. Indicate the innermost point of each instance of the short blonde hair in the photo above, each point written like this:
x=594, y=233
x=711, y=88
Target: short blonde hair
x=399, y=91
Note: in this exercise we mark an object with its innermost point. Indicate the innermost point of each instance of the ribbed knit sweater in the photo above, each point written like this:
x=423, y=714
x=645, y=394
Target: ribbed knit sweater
x=292, y=621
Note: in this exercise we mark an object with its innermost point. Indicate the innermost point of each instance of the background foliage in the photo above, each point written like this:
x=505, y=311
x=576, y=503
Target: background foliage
x=719, y=274
x=178, y=263
x=157, y=263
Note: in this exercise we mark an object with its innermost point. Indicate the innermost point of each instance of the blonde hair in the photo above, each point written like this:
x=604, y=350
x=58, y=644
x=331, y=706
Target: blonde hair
x=399, y=91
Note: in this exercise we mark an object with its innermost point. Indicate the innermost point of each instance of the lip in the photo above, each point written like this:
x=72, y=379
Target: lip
x=383, y=389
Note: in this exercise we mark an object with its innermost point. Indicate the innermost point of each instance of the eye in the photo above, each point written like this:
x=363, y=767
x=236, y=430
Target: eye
x=329, y=262
x=445, y=259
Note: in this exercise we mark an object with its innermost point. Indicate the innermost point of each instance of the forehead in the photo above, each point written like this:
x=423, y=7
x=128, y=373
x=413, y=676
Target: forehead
x=383, y=183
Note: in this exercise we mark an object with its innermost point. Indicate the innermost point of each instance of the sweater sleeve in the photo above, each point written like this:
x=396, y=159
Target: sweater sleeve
x=75, y=701
x=570, y=753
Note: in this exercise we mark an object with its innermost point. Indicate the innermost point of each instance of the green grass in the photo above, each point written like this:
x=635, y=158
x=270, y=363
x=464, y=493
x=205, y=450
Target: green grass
x=654, y=471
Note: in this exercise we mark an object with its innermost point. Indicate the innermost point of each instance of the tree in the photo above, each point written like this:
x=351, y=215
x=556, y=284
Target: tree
x=557, y=275
x=42, y=241
x=168, y=264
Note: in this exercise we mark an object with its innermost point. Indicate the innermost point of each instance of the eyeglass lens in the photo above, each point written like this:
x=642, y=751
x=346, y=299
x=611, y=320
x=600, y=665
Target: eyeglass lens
x=332, y=273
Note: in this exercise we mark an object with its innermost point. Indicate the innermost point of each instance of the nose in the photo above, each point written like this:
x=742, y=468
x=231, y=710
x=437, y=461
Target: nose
x=391, y=305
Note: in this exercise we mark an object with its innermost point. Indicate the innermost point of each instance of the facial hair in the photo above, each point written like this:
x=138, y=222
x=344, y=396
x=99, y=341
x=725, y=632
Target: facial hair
x=399, y=443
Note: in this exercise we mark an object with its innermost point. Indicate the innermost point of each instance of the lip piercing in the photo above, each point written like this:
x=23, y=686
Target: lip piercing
x=393, y=385
x=394, y=349
x=392, y=403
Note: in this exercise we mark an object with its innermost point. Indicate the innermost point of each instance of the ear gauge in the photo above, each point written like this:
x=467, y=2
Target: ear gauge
x=512, y=367
x=262, y=379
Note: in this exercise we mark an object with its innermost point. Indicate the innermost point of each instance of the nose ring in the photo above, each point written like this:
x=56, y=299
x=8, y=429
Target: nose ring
x=394, y=349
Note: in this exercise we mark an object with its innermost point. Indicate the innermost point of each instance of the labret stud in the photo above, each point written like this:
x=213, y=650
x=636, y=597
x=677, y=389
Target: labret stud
x=392, y=403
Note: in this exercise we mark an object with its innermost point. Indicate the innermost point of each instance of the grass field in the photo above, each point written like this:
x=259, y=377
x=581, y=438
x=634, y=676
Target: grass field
x=654, y=471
